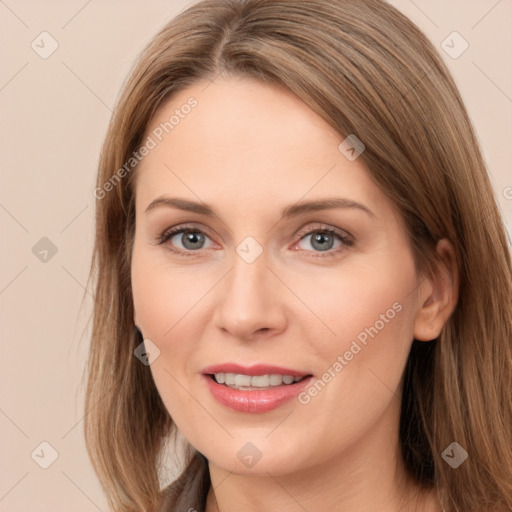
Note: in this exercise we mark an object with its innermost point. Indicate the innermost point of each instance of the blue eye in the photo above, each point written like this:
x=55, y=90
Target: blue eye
x=193, y=239
x=324, y=239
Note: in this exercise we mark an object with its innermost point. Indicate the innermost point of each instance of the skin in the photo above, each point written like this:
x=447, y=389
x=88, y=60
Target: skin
x=249, y=150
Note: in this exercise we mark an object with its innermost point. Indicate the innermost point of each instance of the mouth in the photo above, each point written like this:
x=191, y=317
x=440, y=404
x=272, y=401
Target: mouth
x=244, y=382
x=255, y=389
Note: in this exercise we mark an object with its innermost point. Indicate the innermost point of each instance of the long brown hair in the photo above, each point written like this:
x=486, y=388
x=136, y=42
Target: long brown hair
x=366, y=70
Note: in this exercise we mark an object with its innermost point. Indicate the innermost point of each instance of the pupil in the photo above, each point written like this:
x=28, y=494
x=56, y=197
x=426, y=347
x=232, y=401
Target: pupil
x=191, y=238
x=321, y=239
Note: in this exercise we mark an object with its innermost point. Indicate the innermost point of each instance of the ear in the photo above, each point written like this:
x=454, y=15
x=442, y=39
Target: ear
x=438, y=294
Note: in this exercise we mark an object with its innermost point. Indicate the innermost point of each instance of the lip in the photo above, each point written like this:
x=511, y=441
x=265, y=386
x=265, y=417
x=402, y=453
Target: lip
x=257, y=369
x=254, y=401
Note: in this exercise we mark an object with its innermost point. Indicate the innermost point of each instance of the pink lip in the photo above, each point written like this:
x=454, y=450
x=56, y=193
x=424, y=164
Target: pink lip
x=255, y=401
x=257, y=369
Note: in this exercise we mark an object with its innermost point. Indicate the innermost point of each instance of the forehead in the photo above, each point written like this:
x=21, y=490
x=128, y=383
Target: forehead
x=247, y=140
x=242, y=119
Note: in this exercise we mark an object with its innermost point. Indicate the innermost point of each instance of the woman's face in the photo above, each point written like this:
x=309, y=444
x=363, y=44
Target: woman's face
x=256, y=281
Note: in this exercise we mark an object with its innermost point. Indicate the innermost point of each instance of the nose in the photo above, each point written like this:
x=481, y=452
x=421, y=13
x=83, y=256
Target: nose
x=250, y=302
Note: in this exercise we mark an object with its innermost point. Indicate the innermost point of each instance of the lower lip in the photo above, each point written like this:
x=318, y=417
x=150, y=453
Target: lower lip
x=255, y=401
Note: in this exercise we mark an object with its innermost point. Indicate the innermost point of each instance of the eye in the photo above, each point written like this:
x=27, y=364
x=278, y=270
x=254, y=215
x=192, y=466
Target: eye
x=191, y=239
x=324, y=239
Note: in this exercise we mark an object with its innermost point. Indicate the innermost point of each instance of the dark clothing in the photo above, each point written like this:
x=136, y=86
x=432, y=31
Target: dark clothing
x=188, y=493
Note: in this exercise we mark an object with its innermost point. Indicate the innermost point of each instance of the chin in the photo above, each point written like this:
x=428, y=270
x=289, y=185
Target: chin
x=250, y=460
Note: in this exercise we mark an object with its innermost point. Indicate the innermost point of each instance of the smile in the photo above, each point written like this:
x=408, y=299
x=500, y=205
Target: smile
x=255, y=399
x=254, y=382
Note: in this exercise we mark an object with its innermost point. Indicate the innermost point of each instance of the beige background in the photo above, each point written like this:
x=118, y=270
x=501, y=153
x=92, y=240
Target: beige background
x=54, y=115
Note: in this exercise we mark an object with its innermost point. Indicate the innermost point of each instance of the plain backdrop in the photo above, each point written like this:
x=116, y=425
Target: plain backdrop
x=54, y=116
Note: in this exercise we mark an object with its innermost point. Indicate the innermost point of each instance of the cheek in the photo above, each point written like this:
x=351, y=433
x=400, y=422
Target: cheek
x=371, y=312
x=363, y=304
x=361, y=365
x=172, y=307
x=164, y=301
x=164, y=297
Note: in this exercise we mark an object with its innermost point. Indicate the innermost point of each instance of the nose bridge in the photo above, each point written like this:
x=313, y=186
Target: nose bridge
x=247, y=304
x=248, y=278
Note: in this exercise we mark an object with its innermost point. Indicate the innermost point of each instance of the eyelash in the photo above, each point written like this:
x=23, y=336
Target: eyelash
x=346, y=240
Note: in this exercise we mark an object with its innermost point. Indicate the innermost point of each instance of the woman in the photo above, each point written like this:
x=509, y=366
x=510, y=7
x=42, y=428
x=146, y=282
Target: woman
x=301, y=268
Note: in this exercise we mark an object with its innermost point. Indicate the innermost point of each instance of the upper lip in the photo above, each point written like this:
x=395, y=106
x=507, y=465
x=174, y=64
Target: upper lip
x=256, y=369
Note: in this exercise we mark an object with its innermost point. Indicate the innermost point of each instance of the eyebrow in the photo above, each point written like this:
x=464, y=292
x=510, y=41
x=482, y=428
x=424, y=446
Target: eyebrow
x=293, y=210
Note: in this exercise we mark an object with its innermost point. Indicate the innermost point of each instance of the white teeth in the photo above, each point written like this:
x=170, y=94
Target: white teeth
x=276, y=380
x=242, y=380
x=260, y=381
x=238, y=381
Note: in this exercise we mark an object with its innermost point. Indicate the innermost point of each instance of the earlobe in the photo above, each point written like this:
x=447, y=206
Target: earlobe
x=438, y=294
